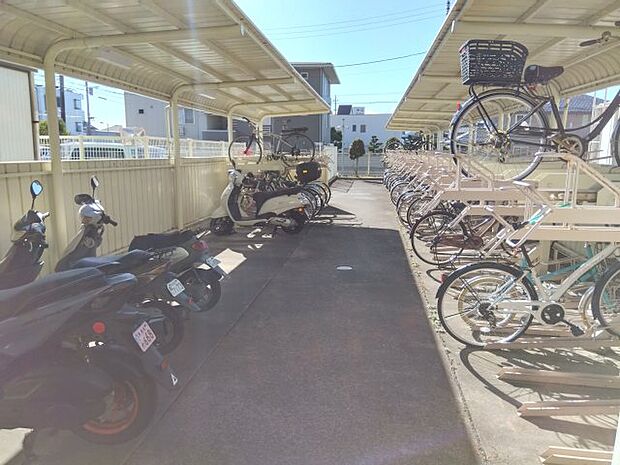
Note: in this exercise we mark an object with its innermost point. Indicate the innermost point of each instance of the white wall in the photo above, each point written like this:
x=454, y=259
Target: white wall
x=15, y=116
x=375, y=126
x=153, y=118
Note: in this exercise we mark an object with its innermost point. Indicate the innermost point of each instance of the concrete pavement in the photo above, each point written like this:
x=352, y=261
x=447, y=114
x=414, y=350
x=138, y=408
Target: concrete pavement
x=303, y=363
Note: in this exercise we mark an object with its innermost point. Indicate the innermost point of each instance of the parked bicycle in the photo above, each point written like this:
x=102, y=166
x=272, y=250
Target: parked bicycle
x=292, y=147
x=505, y=128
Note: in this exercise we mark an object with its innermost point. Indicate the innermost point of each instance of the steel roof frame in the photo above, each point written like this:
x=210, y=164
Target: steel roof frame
x=535, y=23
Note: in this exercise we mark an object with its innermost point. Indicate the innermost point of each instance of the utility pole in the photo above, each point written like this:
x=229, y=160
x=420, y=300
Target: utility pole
x=63, y=110
x=87, y=108
x=335, y=104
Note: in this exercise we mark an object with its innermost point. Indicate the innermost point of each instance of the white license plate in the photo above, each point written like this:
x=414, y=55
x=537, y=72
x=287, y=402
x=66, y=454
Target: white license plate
x=144, y=336
x=175, y=287
x=212, y=262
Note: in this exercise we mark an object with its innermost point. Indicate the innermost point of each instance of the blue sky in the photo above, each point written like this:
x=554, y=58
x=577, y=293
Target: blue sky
x=352, y=31
x=338, y=31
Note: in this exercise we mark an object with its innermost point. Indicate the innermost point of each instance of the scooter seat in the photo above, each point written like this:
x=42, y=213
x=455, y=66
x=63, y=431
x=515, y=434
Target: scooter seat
x=125, y=261
x=261, y=197
x=536, y=74
x=161, y=240
x=13, y=301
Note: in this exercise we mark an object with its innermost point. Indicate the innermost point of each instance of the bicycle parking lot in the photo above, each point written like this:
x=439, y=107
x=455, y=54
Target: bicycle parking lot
x=288, y=306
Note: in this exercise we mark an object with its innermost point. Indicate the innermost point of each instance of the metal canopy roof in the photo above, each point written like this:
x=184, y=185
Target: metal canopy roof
x=207, y=53
x=550, y=29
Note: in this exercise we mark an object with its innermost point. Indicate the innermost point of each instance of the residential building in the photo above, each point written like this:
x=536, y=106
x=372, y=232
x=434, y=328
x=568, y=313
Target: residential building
x=17, y=126
x=75, y=117
x=320, y=76
x=152, y=116
x=363, y=126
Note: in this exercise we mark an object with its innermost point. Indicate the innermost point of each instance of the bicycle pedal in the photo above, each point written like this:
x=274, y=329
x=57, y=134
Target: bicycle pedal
x=576, y=330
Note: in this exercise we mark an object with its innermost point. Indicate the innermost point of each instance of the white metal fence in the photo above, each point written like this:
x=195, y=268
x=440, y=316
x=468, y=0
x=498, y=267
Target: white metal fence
x=369, y=165
x=138, y=191
x=130, y=148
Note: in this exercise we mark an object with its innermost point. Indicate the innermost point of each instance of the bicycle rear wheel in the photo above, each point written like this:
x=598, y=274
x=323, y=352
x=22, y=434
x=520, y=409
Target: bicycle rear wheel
x=468, y=303
x=296, y=146
x=435, y=241
x=502, y=131
x=245, y=148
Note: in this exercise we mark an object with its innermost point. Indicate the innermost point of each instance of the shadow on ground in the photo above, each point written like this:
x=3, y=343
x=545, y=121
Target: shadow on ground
x=301, y=363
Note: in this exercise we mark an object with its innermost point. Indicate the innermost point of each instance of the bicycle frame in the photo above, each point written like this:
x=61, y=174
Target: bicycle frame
x=548, y=297
x=548, y=133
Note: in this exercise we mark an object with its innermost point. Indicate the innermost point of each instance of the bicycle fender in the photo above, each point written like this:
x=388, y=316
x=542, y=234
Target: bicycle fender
x=447, y=282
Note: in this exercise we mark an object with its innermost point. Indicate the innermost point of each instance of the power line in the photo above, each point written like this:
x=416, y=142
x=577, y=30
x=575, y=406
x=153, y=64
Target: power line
x=381, y=60
x=364, y=29
x=400, y=13
x=370, y=93
x=357, y=26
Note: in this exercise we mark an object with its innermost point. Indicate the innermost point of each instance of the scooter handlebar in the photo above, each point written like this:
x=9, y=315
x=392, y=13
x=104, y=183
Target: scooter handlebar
x=107, y=220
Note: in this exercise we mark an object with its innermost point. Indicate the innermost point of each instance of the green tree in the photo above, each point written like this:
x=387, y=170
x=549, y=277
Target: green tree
x=374, y=146
x=356, y=151
x=44, y=131
x=336, y=137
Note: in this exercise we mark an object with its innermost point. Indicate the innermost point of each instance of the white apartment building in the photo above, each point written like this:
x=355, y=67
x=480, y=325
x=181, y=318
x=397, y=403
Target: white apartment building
x=75, y=118
x=362, y=126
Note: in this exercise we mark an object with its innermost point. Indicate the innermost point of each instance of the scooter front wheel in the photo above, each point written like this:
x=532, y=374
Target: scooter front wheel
x=222, y=226
x=299, y=220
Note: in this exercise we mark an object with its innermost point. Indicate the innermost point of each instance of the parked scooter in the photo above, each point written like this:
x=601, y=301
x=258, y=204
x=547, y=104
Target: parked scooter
x=158, y=286
x=284, y=208
x=190, y=256
x=22, y=263
x=68, y=362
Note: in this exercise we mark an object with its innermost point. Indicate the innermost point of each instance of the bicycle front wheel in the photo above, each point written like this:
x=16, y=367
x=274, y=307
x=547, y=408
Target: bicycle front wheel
x=245, y=148
x=295, y=147
x=501, y=131
x=606, y=300
x=615, y=144
x=469, y=303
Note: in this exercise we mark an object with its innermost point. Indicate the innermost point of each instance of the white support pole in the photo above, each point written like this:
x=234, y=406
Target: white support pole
x=176, y=144
x=229, y=127
x=59, y=220
x=565, y=114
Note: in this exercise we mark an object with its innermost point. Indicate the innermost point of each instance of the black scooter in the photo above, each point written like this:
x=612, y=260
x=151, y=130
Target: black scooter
x=197, y=269
x=67, y=361
x=22, y=263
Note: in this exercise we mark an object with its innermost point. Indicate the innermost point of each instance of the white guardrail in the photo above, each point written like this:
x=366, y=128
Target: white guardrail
x=130, y=148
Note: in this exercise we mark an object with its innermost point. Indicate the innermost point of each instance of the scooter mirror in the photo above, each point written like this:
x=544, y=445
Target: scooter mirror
x=94, y=183
x=35, y=190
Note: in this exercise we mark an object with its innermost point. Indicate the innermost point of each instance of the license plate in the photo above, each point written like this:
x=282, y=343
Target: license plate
x=212, y=262
x=175, y=287
x=144, y=336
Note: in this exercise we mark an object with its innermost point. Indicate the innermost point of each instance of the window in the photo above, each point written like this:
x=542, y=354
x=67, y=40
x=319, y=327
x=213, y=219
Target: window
x=362, y=128
x=58, y=101
x=140, y=111
x=188, y=115
x=354, y=128
x=304, y=75
x=77, y=104
x=78, y=126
